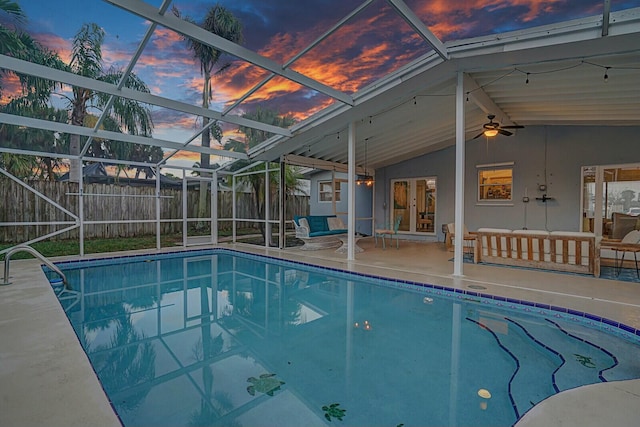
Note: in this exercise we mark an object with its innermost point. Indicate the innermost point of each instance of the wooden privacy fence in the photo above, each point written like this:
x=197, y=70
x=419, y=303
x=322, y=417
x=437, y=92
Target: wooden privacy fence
x=118, y=207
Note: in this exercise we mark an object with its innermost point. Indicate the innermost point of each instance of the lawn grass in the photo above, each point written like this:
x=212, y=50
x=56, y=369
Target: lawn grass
x=92, y=246
x=55, y=248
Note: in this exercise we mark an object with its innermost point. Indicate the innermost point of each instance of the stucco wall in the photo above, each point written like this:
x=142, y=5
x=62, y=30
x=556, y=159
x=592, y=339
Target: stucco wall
x=554, y=152
x=364, y=197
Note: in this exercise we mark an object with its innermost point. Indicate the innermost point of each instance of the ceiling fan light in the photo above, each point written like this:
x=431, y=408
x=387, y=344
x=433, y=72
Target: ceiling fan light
x=490, y=132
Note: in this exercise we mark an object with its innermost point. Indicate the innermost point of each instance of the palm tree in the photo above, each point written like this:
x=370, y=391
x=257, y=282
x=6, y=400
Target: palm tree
x=15, y=43
x=9, y=38
x=222, y=22
x=32, y=102
x=86, y=60
x=256, y=181
x=33, y=139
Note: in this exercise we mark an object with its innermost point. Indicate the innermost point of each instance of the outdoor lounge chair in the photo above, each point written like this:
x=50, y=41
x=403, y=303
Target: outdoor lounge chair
x=388, y=231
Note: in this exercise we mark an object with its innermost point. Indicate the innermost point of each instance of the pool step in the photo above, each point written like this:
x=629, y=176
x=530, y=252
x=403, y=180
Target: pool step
x=548, y=359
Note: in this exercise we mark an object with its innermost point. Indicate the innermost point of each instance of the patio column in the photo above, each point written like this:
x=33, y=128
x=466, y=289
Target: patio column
x=80, y=206
x=460, y=170
x=158, y=230
x=267, y=207
x=282, y=237
x=214, y=208
x=351, y=203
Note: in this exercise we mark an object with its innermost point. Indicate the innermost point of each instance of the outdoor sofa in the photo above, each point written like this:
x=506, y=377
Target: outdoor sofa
x=319, y=231
x=556, y=250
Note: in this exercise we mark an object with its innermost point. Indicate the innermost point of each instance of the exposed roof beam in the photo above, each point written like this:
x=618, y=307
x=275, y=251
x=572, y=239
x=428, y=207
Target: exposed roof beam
x=116, y=136
x=32, y=69
x=310, y=162
x=196, y=33
x=482, y=100
x=85, y=158
x=419, y=27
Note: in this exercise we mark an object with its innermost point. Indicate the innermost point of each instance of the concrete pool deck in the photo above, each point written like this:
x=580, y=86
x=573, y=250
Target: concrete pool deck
x=46, y=378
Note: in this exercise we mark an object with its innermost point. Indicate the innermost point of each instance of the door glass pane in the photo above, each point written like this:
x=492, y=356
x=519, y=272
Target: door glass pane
x=401, y=191
x=425, y=206
x=620, y=195
x=588, y=198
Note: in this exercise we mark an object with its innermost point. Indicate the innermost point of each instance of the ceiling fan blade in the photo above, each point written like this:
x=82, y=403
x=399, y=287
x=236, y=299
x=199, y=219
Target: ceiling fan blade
x=478, y=135
x=512, y=127
x=504, y=132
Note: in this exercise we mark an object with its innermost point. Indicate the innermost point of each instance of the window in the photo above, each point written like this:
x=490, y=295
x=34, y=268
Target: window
x=495, y=182
x=326, y=192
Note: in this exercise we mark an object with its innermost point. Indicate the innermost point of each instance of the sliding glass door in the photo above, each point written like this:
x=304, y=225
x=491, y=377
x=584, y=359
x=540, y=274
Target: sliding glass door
x=607, y=190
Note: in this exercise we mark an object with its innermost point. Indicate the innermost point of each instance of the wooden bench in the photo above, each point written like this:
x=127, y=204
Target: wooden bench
x=557, y=250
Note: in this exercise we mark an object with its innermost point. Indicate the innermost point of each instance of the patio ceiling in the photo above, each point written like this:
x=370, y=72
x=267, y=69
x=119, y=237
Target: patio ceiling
x=411, y=111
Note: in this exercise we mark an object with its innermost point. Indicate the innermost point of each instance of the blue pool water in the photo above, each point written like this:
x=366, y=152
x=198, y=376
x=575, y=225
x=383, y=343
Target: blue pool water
x=222, y=338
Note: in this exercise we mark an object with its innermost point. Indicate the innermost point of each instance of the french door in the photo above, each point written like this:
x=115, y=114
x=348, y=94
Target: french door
x=414, y=199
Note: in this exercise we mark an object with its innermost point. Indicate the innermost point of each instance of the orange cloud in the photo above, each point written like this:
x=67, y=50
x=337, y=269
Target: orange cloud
x=11, y=88
x=164, y=38
x=55, y=43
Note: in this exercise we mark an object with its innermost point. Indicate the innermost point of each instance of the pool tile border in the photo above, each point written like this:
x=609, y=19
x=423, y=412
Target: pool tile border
x=557, y=312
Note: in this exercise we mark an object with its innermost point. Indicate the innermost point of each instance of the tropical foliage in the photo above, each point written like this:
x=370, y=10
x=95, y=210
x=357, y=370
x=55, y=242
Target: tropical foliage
x=125, y=115
x=256, y=181
x=83, y=104
x=221, y=22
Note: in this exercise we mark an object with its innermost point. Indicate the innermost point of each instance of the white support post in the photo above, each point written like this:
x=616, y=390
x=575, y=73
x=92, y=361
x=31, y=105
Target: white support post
x=282, y=236
x=158, y=244
x=460, y=172
x=351, y=217
x=267, y=207
x=214, y=208
x=185, y=226
x=80, y=206
x=233, y=208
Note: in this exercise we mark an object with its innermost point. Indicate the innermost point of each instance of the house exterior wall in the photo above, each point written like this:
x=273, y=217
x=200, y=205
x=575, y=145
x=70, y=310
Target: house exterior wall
x=364, y=204
x=554, y=154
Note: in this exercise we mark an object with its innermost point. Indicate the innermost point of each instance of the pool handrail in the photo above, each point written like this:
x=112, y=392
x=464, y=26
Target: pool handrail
x=32, y=251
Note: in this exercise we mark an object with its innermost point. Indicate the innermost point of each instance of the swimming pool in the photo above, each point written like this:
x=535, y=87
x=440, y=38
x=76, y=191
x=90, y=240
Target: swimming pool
x=219, y=337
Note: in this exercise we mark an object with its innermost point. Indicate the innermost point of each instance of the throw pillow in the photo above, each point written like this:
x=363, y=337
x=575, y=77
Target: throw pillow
x=335, y=223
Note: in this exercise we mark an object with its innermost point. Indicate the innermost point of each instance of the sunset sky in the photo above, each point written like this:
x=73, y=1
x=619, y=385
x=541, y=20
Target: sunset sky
x=370, y=46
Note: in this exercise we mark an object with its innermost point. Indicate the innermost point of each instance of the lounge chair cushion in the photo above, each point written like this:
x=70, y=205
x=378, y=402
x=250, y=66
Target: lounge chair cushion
x=317, y=223
x=623, y=224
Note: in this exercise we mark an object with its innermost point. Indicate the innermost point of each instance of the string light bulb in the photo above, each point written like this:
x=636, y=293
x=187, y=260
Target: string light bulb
x=527, y=81
x=606, y=74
